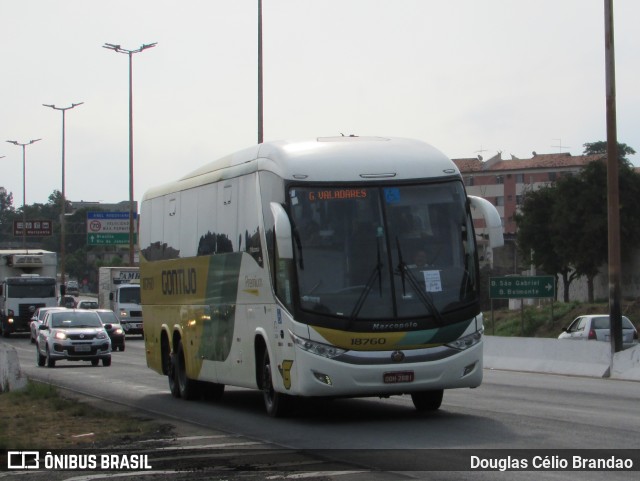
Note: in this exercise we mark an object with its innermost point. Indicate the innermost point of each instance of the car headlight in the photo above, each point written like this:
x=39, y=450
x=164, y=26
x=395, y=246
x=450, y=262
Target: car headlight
x=123, y=313
x=102, y=335
x=60, y=335
x=466, y=342
x=118, y=331
x=317, y=348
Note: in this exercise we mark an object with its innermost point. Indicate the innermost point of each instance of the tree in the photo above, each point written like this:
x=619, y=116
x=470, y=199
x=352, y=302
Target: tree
x=582, y=212
x=540, y=232
x=569, y=219
x=600, y=147
x=7, y=213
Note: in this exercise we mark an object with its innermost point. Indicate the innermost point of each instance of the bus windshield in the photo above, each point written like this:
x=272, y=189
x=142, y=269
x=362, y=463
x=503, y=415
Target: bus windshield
x=383, y=252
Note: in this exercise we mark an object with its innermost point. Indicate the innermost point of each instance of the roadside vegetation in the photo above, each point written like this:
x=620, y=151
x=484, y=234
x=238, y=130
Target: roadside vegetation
x=546, y=319
x=40, y=417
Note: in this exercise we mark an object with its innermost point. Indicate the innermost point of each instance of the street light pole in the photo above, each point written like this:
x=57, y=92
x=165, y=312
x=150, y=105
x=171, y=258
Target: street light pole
x=64, y=200
x=130, y=53
x=260, y=91
x=613, y=187
x=24, y=188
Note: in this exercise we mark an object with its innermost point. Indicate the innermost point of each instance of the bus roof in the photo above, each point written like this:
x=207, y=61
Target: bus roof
x=325, y=159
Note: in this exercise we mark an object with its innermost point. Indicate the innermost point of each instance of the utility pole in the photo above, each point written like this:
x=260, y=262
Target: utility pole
x=615, y=314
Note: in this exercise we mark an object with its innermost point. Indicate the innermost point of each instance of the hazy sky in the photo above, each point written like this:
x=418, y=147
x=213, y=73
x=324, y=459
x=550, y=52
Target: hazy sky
x=471, y=77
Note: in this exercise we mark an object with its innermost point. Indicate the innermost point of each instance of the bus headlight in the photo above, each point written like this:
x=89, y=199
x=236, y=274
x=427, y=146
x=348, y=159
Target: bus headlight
x=467, y=341
x=317, y=348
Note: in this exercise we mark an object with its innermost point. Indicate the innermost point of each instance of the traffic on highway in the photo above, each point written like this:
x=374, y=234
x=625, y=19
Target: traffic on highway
x=541, y=414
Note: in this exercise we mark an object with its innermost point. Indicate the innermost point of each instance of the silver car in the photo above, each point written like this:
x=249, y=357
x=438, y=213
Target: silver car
x=36, y=321
x=74, y=335
x=597, y=327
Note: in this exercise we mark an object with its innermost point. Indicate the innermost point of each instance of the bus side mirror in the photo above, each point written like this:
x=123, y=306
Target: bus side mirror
x=491, y=219
x=284, y=242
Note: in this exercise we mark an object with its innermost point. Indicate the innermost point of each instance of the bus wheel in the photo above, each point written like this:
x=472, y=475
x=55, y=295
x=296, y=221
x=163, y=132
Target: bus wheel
x=188, y=387
x=172, y=376
x=276, y=404
x=427, y=400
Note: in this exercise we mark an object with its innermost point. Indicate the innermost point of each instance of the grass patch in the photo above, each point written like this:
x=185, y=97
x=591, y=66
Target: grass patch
x=40, y=417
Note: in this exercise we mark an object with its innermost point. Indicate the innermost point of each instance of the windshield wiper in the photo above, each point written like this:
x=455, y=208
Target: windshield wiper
x=296, y=238
x=377, y=271
x=406, y=274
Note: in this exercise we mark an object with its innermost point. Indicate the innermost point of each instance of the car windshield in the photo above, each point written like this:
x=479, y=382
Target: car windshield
x=65, y=319
x=108, y=317
x=42, y=313
x=383, y=253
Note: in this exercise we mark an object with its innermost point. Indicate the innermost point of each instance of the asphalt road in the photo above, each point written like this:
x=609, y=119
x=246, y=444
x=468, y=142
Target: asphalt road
x=510, y=412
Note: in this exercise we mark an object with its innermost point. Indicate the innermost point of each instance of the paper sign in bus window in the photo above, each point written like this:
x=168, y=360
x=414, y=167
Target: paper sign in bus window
x=432, y=281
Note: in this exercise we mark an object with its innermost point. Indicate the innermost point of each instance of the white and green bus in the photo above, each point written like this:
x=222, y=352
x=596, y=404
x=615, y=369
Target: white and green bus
x=335, y=267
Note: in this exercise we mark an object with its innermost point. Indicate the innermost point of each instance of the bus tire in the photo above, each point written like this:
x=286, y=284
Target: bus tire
x=188, y=387
x=427, y=400
x=277, y=404
x=172, y=376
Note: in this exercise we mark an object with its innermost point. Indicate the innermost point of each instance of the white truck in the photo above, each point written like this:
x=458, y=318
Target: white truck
x=119, y=290
x=27, y=282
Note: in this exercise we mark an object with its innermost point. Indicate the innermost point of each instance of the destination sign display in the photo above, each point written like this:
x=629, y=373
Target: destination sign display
x=337, y=194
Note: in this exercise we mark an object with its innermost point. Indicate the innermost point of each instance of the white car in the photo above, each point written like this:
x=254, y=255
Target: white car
x=74, y=335
x=36, y=320
x=597, y=328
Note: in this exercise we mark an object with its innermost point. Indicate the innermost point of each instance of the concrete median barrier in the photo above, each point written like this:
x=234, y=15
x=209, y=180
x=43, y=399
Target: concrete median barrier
x=554, y=356
x=11, y=378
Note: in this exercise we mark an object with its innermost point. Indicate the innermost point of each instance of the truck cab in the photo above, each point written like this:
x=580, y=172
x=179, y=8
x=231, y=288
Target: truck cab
x=27, y=282
x=125, y=302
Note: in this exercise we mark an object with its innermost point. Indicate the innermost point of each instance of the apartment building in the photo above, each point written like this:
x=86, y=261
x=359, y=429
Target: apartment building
x=505, y=182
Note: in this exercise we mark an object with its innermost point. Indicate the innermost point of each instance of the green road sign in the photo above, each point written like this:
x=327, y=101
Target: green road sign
x=104, y=239
x=522, y=287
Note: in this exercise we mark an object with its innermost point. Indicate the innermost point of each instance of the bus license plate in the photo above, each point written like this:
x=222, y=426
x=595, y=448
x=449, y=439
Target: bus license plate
x=396, y=377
